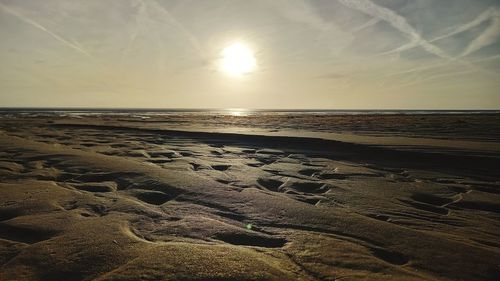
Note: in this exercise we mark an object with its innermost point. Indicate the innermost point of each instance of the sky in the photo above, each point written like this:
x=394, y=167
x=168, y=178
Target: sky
x=321, y=54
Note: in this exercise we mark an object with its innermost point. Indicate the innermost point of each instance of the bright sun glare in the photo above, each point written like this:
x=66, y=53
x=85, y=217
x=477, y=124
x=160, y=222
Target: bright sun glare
x=237, y=60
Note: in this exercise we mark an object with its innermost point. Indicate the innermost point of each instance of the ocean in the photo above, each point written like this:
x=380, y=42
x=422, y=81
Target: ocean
x=482, y=125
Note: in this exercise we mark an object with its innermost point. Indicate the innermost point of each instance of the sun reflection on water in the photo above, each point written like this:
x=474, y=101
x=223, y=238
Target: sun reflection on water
x=238, y=112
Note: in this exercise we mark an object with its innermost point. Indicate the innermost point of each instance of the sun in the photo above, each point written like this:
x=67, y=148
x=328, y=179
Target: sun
x=237, y=60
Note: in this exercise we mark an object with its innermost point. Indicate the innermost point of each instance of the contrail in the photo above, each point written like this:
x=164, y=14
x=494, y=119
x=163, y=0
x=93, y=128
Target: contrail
x=192, y=39
x=369, y=23
x=488, y=37
x=434, y=77
x=401, y=24
x=63, y=41
x=396, y=21
x=437, y=65
x=427, y=67
x=134, y=34
x=486, y=15
x=301, y=12
x=44, y=29
x=144, y=17
x=489, y=13
x=441, y=64
x=328, y=34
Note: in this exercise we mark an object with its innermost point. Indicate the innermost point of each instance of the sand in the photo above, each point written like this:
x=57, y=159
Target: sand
x=117, y=198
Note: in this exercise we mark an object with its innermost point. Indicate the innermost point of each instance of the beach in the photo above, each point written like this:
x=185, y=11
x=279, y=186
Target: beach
x=249, y=196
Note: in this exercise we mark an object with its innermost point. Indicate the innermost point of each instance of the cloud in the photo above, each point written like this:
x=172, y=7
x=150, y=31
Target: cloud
x=135, y=31
x=44, y=29
x=369, y=23
x=173, y=21
x=397, y=21
x=401, y=24
x=491, y=13
x=438, y=77
x=333, y=75
x=484, y=16
x=302, y=12
x=327, y=35
x=415, y=71
x=489, y=36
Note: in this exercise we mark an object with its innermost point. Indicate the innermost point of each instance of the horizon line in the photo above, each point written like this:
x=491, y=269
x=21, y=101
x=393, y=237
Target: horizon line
x=69, y=108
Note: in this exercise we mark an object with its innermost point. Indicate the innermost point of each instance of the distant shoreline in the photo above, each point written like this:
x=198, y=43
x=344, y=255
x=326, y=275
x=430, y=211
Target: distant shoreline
x=228, y=110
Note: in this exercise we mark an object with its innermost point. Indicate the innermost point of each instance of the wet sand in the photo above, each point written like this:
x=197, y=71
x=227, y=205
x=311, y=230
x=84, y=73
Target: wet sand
x=122, y=198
